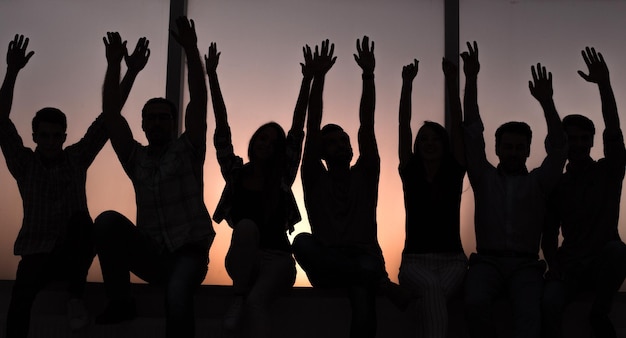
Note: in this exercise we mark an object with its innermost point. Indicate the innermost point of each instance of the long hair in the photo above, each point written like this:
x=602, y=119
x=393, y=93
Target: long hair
x=441, y=132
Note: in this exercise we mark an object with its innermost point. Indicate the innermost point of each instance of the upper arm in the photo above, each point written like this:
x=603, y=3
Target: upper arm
x=121, y=136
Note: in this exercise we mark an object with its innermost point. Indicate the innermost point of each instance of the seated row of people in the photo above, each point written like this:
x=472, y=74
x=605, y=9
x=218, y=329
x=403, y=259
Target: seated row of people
x=170, y=241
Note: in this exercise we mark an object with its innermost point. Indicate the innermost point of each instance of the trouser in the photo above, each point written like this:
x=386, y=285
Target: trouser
x=520, y=278
x=69, y=261
x=434, y=278
x=259, y=275
x=357, y=270
x=122, y=249
x=602, y=274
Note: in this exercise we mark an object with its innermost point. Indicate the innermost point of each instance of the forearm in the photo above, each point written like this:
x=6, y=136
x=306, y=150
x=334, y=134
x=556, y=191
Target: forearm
x=195, y=78
x=127, y=84
x=368, y=102
x=456, y=118
x=315, y=105
x=219, y=107
x=111, y=98
x=609, y=106
x=299, y=113
x=470, y=100
x=405, y=136
x=556, y=134
x=6, y=93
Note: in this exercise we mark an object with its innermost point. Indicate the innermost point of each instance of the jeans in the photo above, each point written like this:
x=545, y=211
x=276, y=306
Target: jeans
x=122, y=249
x=521, y=279
x=358, y=271
x=602, y=275
x=69, y=261
x=259, y=275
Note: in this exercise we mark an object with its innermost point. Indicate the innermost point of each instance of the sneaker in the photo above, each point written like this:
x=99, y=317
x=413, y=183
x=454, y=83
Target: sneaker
x=117, y=312
x=232, y=316
x=77, y=314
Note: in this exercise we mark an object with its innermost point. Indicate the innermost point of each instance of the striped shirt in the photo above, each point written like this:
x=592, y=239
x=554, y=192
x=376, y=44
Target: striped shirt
x=169, y=191
x=52, y=194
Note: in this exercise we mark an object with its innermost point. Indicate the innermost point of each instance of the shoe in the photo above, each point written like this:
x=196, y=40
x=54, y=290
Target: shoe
x=232, y=316
x=117, y=312
x=77, y=314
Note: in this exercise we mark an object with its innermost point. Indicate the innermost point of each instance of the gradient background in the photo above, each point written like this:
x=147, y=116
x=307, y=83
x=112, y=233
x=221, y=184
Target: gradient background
x=259, y=70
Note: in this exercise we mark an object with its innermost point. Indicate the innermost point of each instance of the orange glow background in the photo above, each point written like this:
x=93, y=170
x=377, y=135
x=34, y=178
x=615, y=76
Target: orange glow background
x=260, y=76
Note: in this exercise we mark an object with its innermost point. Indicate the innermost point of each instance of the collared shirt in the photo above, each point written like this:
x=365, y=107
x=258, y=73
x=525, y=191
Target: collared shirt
x=509, y=210
x=51, y=194
x=231, y=164
x=586, y=203
x=169, y=193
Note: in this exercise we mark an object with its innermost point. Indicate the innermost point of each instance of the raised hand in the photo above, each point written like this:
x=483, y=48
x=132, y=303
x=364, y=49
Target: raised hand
x=17, y=57
x=323, y=59
x=365, y=55
x=409, y=72
x=307, y=67
x=115, y=48
x=471, y=66
x=450, y=70
x=541, y=85
x=138, y=59
x=598, y=70
x=186, y=35
x=212, y=59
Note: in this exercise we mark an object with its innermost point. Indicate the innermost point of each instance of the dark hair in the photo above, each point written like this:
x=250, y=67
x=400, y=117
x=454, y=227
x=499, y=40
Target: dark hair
x=50, y=115
x=281, y=141
x=579, y=121
x=514, y=127
x=329, y=128
x=441, y=132
x=161, y=100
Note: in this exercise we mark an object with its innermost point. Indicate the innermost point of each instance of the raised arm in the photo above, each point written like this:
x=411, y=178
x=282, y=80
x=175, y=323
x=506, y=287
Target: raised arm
x=405, y=135
x=365, y=59
x=134, y=64
x=471, y=67
x=598, y=73
x=541, y=89
x=322, y=62
x=196, y=112
x=119, y=132
x=212, y=59
x=299, y=113
x=451, y=72
x=17, y=58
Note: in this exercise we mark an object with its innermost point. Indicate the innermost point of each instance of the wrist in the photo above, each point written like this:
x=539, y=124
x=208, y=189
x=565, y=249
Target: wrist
x=367, y=75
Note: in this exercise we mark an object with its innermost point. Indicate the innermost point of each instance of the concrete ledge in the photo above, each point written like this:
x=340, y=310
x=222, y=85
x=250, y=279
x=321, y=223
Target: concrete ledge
x=304, y=313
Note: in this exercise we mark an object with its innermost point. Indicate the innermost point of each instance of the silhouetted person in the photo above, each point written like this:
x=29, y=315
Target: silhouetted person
x=341, y=200
x=510, y=207
x=169, y=246
x=259, y=206
x=585, y=207
x=433, y=263
x=55, y=240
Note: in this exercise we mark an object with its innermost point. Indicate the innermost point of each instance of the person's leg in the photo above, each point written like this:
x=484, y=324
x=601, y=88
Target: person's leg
x=556, y=295
x=609, y=271
x=277, y=273
x=525, y=290
x=363, y=304
x=33, y=273
x=121, y=249
x=484, y=282
x=187, y=269
x=316, y=260
x=243, y=255
x=80, y=250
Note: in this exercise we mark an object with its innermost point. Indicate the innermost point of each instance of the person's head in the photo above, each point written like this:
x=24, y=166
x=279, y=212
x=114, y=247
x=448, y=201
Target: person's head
x=159, y=118
x=580, y=131
x=49, y=127
x=267, y=143
x=431, y=142
x=336, y=147
x=513, y=146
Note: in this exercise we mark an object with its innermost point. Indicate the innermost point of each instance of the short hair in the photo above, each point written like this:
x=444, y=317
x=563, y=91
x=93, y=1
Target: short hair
x=281, y=140
x=50, y=115
x=514, y=127
x=161, y=100
x=330, y=128
x=579, y=121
